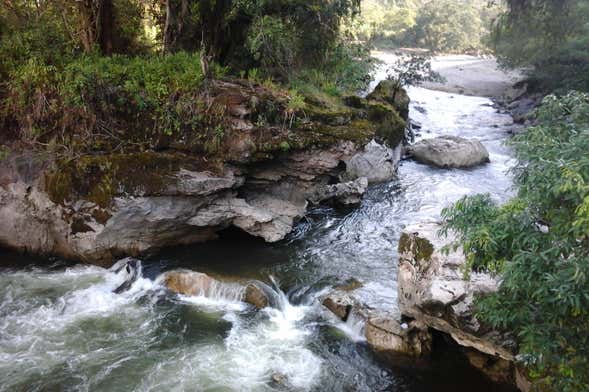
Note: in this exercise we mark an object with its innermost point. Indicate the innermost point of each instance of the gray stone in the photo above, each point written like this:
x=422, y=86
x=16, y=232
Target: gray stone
x=377, y=163
x=449, y=152
x=346, y=193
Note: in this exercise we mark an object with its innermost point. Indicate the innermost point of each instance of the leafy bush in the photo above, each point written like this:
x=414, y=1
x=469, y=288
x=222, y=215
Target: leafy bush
x=131, y=98
x=539, y=243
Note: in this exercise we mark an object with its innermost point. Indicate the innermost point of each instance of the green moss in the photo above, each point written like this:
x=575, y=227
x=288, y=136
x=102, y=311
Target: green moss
x=421, y=248
x=100, y=178
x=390, y=127
x=386, y=92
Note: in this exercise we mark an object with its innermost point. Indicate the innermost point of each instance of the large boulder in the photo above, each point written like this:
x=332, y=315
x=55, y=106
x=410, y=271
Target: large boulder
x=377, y=163
x=449, y=152
x=434, y=290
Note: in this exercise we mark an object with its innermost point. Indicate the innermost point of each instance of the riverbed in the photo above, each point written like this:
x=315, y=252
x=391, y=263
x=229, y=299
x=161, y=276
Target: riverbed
x=63, y=328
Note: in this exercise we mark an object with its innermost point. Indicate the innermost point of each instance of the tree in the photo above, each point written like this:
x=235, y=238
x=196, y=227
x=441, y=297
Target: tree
x=549, y=38
x=96, y=25
x=410, y=71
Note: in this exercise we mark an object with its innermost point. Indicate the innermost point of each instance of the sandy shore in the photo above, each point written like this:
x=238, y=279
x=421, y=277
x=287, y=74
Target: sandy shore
x=469, y=75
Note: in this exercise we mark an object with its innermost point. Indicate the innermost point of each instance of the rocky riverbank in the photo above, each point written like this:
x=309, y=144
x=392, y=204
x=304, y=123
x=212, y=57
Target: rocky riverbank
x=260, y=177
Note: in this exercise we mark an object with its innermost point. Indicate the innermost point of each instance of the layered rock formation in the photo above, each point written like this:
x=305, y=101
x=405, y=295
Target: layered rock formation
x=434, y=291
x=257, y=175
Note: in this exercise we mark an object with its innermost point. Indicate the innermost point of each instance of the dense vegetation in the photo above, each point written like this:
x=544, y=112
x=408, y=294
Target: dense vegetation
x=539, y=243
x=548, y=37
x=73, y=72
x=444, y=26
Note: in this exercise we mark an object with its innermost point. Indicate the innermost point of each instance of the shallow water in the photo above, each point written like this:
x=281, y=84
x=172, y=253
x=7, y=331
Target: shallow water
x=62, y=327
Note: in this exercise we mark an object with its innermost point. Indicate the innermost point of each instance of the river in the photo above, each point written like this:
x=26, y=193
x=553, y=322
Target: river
x=62, y=327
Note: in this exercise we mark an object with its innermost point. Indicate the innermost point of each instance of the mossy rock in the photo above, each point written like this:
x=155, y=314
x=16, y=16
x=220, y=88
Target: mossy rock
x=387, y=91
x=100, y=178
x=390, y=127
x=421, y=248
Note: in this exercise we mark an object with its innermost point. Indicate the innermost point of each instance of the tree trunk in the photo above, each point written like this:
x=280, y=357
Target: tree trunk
x=87, y=24
x=175, y=12
x=96, y=25
x=105, y=27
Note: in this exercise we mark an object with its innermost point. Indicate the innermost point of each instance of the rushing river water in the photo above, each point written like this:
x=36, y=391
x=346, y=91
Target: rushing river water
x=63, y=328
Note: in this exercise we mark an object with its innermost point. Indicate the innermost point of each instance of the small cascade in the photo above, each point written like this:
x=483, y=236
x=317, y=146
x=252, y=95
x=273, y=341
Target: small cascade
x=223, y=291
x=354, y=326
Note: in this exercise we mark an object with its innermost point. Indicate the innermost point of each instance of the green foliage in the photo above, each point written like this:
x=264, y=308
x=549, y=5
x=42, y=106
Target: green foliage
x=550, y=39
x=270, y=42
x=443, y=26
x=412, y=70
x=93, y=94
x=539, y=242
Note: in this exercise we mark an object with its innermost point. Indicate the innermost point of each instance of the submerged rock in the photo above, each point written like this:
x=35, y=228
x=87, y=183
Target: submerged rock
x=193, y=283
x=132, y=271
x=255, y=295
x=189, y=282
x=449, y=152
x=340, y=304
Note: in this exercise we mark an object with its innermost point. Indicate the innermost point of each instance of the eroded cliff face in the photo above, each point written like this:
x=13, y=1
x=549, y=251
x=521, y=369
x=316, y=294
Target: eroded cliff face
x=259, y=177
x=434, y=290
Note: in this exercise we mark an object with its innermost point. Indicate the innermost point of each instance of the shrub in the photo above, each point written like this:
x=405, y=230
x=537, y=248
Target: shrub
x=133, y=99
x=539, y=243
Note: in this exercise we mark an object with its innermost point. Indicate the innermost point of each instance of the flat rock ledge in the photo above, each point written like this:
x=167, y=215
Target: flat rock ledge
x=449, y=152
x=433, y=290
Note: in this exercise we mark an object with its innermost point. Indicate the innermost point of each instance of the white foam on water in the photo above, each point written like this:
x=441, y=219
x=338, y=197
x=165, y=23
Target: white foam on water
x=353, y=327
x=45, y=316
x=259, y=345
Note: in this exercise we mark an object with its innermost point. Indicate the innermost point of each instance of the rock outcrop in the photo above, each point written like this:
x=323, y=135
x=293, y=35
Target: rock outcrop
x=396, y=341
x=433, y=290
x=259, y=177
x=449, y=152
